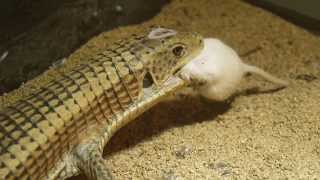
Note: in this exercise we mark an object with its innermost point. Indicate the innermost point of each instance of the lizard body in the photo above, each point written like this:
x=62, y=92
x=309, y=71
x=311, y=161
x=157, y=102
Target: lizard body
x=60, y=130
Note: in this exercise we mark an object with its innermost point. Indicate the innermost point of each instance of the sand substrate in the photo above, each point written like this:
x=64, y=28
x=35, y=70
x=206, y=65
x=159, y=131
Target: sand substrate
x=257, y=135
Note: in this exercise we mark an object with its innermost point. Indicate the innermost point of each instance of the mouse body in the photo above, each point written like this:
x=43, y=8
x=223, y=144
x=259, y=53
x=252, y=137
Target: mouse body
x=218, y=70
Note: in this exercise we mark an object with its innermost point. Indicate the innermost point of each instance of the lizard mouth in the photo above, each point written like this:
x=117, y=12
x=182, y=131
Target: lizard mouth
x=177, y=70
x=173, y=82
x=168, y=87
x=148, y=80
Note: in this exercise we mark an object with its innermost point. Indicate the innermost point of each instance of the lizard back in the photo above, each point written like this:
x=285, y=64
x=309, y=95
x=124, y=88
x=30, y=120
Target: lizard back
x=37, y=130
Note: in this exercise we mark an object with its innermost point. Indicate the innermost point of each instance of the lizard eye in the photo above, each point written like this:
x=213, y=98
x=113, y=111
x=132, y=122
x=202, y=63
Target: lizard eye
x=178, y=51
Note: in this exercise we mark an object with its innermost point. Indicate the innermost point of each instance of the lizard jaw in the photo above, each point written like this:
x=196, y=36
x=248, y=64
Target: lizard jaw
x=171, y=85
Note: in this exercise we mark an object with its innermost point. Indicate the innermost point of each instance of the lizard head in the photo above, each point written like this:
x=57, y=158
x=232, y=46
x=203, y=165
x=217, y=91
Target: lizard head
x=167, y=52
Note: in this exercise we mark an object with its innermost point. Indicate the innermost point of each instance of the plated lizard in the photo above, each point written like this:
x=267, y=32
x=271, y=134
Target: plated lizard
x=60, y=130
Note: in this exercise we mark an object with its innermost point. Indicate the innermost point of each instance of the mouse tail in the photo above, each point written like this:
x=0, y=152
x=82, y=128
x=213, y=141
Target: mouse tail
x=265, y=75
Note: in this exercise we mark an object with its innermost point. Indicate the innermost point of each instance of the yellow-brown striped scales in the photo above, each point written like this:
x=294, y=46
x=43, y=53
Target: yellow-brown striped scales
x=61, y=129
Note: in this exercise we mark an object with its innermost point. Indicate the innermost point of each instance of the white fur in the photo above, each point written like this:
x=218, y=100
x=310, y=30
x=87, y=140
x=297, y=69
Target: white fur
x=220, y=70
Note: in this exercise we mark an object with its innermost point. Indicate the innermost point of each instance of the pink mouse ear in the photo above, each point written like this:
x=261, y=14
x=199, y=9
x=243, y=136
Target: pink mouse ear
x=160, y=33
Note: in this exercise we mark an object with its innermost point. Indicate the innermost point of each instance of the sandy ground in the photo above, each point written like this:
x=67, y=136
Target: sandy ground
x=272, y=135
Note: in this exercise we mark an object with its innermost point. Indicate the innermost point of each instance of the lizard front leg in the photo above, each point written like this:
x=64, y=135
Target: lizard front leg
x=90, y=161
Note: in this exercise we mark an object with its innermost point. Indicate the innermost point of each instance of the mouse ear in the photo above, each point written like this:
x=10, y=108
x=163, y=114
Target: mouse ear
x=159, y=33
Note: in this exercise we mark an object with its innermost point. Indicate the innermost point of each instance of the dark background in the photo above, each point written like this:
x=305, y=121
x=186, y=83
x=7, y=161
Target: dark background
x=36, y=33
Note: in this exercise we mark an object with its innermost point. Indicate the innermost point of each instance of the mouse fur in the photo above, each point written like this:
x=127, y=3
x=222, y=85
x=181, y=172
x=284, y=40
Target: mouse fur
x=218, y=70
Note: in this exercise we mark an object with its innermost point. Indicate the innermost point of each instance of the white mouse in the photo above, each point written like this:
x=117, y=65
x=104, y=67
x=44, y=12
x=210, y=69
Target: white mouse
x=217, y=71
